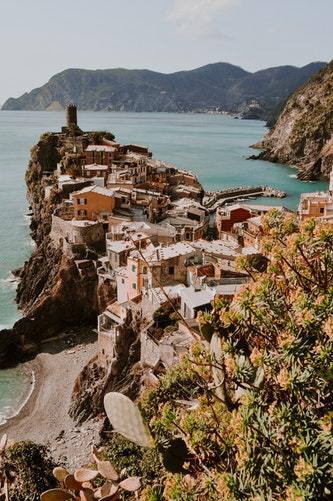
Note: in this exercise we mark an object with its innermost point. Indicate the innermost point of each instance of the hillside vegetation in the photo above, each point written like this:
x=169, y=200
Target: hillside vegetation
x=219, y=85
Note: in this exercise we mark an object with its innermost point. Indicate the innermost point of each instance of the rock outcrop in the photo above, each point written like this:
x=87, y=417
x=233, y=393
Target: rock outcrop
x=303, y=133
x=52, y=292
x=123, y=374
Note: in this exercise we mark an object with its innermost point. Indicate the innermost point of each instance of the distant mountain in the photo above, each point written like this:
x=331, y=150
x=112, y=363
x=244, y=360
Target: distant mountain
x=303, y=132
x=220, y=85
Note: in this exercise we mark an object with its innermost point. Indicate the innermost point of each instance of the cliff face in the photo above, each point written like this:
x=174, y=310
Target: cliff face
x=123, y=375
x=209, y=87
x=303, y=133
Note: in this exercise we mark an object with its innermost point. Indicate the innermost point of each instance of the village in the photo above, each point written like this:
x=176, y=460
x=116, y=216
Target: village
x=162, y=248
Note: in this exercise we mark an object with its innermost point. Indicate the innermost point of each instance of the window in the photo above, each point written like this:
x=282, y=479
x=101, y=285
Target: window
x=144, y=270
x=171, y=270
x=82, y=201
x=133, y=267
x=321, y=210
x=187, y=236
x=133, y=286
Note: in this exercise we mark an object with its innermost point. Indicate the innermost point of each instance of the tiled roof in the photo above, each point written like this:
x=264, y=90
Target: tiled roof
x=95, y=167
x=100, y=147
x=96, y=189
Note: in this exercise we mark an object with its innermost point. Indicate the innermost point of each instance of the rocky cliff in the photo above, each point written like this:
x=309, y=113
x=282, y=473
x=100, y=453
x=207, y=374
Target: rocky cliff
x=220, y=85
x=124, y=374
x=52, y=293
x=303, y=133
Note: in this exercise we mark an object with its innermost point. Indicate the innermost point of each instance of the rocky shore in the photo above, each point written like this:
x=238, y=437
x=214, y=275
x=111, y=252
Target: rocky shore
x=51, y=293
x=303, y=134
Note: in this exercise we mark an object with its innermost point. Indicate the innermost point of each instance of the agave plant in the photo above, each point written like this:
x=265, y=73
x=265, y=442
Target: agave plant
x=88, y=484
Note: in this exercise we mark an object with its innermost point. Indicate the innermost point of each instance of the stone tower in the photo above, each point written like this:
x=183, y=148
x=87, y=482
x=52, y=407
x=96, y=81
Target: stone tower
x=71, y=116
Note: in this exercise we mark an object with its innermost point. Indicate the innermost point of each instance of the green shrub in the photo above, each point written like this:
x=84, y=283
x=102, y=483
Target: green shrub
x=32, y=467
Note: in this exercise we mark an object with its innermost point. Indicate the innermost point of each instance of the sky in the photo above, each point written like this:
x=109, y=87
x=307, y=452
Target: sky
x=39, y=38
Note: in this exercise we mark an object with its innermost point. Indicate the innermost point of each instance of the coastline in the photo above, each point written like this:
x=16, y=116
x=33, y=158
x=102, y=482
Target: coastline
x=26, y=407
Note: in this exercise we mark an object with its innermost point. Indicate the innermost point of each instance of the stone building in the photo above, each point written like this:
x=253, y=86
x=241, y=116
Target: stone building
x=88, y=233
x=101, y=154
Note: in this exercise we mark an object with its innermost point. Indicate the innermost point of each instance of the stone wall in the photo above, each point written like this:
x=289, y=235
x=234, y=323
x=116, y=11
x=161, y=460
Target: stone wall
x=91, y=235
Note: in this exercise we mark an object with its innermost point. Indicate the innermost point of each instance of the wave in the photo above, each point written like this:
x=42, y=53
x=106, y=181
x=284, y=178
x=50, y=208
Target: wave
x=5, y=417
x=294, y=176
x=10, y=282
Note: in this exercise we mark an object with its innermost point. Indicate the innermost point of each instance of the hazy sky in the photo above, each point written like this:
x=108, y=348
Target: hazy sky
x=39, y=38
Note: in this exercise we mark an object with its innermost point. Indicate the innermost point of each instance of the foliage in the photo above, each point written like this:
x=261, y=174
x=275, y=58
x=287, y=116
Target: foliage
x=126, y=419
x=164, y=317
x=74, y=170
x=28, y=468
x=101, y=482
x=97, y=137
x=133, y=459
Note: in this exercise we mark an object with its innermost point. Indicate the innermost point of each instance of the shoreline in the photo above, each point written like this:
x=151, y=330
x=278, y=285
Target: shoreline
x=26, y=406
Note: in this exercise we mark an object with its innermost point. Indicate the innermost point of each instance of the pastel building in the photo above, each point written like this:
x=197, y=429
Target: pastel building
x=154, y=267
x=317, y=205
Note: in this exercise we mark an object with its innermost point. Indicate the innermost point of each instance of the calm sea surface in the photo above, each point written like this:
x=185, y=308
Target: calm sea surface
x=213, y=147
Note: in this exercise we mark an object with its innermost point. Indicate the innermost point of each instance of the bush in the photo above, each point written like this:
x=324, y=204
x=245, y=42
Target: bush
x=31, y=467
x=133, y=459
x=254, y=406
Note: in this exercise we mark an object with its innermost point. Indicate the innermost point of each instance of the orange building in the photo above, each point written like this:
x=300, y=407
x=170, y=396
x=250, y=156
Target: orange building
x=94, y=203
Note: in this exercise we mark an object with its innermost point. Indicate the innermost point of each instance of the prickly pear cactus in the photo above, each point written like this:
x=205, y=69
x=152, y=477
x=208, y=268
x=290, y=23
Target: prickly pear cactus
x=126, y=419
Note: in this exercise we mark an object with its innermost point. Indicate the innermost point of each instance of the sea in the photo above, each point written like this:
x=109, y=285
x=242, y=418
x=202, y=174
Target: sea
x=214, y=147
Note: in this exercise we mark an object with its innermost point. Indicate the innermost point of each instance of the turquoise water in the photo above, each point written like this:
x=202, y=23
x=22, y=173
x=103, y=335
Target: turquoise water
x=213, y=147
x=15, y=388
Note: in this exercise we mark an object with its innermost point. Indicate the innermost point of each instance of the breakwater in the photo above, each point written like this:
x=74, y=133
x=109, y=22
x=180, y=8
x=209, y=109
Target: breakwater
x=214, y=199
